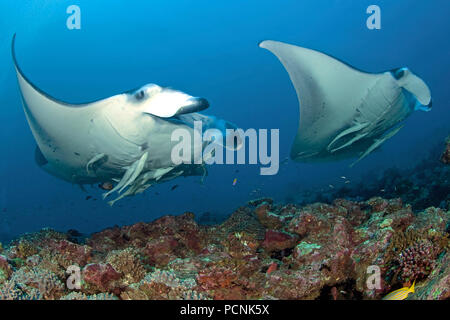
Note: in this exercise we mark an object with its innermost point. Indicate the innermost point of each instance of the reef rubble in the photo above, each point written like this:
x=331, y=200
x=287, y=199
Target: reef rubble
x=262, y=251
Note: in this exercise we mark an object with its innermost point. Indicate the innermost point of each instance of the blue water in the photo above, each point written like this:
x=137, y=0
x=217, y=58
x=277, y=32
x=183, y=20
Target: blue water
x=208, y=49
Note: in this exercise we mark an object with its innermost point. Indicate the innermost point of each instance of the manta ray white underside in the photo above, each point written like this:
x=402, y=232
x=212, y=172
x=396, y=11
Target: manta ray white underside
x=345, y=112
x=125, y=138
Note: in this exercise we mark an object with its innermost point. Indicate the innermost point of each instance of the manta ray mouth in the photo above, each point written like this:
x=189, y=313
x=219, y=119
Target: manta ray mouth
x=194, y=104
x=169, y=103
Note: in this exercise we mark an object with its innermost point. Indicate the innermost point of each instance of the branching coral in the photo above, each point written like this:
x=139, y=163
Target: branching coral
x=418, y=260
x=128, y=263
x=402, y=240
x=12, y=290
x=9, y=291
x=412, y=254
x=38, y=282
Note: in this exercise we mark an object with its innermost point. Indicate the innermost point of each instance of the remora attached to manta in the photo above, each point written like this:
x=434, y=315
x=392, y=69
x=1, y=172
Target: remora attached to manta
x=345, y=112
x=125, y=138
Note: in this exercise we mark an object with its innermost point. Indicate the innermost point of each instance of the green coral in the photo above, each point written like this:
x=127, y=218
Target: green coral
x=304, y=248
x=386, y=223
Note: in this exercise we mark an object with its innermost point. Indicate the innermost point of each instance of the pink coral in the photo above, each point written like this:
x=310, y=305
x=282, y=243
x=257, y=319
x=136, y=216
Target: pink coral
x=100, y=275
x=276, y=240
x=417, y=261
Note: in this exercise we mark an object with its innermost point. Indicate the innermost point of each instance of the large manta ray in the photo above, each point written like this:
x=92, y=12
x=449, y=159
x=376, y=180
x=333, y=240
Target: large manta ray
x=125, y=138
x=345, y=112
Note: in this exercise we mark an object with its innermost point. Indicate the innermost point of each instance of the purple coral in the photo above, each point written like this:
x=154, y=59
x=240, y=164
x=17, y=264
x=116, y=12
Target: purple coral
x=418, y=260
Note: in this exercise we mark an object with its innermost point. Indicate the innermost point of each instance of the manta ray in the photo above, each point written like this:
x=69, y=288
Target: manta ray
x=345, y=112
x=125, y=138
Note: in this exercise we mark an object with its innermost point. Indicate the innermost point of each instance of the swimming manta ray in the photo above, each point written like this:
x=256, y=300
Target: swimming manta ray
x=345, y=112
x=125, y=138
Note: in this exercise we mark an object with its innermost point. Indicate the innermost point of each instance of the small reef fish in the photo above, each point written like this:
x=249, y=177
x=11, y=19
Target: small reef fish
x=346, y=182
x=343, y=177
x=88, y=197
x=106, y=186
x=174, y=187
x=331, y=186
x=234, y=181
x=400, y=294
x=273, y=267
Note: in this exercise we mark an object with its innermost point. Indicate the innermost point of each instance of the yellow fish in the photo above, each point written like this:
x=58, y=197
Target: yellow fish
x=400, y=294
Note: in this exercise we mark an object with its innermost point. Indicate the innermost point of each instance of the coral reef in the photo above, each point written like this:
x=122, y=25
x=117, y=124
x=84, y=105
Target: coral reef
x=262, y=251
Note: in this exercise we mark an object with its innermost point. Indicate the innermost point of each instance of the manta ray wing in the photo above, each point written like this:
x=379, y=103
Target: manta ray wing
x=326, y=91
x=55, y=125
